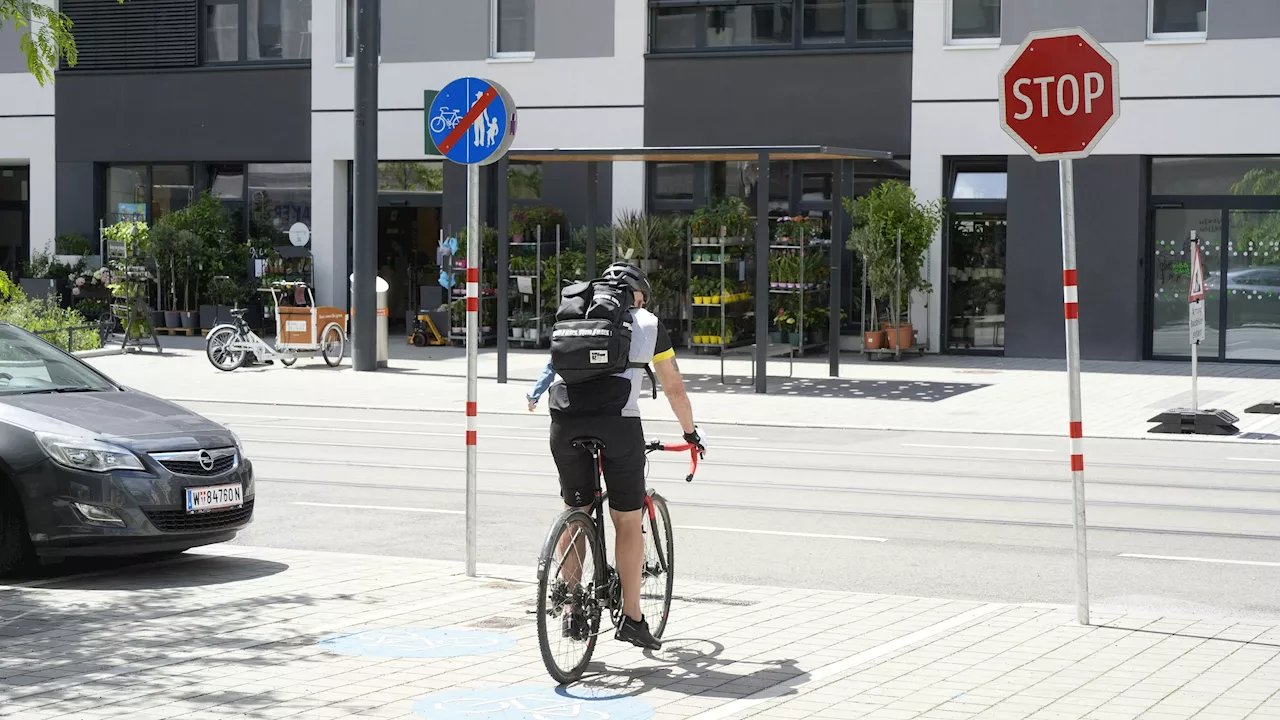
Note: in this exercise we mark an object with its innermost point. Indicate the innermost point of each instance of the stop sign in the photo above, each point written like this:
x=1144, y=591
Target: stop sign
x=1059, y=94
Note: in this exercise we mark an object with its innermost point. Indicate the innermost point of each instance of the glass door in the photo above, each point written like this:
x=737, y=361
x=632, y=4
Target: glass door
x=13, y=239
x=1253, y=286
x=975, y=281
x=1171, y=280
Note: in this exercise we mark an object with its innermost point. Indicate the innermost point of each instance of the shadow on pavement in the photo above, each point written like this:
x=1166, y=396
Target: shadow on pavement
x=179, y=571
x=695, y=667
x=845, y=389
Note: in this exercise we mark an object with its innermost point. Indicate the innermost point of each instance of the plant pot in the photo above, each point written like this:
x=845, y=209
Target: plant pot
x=873, y=340
x=517, y=333
x=190, y=320
x=903, y=337
x=795, y=338
x=208, y=316
x=172, y=319
x=517, y=238
x=157, y=318
x=776, y=337
x=531, y=334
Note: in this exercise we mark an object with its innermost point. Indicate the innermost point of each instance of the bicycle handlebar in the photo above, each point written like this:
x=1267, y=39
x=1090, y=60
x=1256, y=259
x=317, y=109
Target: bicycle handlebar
x=656, y=445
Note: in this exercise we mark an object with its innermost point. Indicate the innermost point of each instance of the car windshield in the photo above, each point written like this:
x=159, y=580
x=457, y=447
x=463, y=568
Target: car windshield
x=31, y=365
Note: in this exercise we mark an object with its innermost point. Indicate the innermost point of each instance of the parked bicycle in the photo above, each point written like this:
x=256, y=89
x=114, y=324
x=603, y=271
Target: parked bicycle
x=576, y=583
x=301, y=328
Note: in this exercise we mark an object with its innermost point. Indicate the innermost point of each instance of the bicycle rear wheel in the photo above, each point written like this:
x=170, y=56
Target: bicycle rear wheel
x=658, y=578
x=218, y=349
x=568, y=609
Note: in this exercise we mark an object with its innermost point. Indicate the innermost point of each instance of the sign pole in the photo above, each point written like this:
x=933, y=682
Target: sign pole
x=1070, y=295
x=1195, y=306
x=473, y=352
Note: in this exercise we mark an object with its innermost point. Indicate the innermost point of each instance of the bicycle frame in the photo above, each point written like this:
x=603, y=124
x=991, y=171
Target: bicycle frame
x=247, y=341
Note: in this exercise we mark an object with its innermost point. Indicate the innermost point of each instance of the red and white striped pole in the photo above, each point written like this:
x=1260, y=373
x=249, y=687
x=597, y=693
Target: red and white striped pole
x=474, y=239
x=1070, y=297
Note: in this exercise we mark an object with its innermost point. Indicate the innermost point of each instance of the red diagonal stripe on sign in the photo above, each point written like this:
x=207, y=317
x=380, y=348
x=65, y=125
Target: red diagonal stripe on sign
x=468, y=120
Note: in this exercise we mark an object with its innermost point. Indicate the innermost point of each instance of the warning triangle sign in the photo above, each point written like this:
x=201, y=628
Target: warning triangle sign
x=1197, y=275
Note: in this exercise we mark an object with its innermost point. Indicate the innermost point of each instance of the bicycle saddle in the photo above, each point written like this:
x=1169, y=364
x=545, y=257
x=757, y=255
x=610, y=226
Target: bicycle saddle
x=590, y=444
x=239, y=312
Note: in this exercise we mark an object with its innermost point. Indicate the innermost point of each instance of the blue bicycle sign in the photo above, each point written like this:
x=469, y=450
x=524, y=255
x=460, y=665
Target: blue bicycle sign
x=531, y=703
x=472, y=121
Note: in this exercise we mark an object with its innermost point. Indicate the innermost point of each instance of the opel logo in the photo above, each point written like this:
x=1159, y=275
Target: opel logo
x=206, y=460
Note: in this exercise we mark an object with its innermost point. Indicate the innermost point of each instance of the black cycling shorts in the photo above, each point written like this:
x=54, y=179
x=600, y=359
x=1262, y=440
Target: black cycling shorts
x=623, y=459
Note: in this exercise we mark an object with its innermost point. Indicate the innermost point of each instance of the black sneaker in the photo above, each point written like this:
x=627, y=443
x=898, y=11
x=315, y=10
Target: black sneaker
x=575, y=625
x=637, y=633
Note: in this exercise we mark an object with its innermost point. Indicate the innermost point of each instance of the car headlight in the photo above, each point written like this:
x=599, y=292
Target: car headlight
x=239, y=445
x=87, y=454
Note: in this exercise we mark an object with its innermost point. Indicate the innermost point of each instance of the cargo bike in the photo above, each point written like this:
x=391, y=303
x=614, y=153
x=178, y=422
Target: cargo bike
x=302, y=328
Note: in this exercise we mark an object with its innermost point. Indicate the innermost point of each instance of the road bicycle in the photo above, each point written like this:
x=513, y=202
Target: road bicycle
x=447, y=119
x=576, y=583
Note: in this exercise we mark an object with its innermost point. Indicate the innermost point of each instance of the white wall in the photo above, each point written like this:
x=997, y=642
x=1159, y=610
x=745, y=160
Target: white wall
x=560, y=106
x=26, y=138
x=1164, y=108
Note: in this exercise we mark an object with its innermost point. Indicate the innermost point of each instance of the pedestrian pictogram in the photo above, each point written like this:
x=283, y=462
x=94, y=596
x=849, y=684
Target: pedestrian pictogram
x=1059, y=94
x=472, y=121
x=1197, y=275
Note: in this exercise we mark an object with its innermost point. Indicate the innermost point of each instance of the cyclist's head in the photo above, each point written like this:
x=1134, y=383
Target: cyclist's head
x=634, y=278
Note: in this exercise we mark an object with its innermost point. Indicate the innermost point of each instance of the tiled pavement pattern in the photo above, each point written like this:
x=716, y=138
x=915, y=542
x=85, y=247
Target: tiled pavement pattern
x=232, y=632
x=947, y=393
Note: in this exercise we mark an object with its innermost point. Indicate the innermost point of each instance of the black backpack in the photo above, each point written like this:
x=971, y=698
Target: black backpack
x=591, y=337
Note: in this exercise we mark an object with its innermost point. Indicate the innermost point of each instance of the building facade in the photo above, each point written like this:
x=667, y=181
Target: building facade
x=252, y=99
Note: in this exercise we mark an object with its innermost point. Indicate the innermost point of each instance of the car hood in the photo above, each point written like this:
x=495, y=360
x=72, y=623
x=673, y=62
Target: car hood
x=135, y=419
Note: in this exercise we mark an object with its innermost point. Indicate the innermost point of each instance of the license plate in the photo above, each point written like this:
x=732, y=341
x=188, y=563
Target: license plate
x=216, y=497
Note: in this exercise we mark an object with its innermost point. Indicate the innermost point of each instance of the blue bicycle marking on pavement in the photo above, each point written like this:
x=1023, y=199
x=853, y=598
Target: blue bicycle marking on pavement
x=409, y=642
x=532, y=703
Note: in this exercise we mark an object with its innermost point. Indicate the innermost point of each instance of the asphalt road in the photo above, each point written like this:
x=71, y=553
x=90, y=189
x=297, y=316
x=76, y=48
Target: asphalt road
x=1176, y=527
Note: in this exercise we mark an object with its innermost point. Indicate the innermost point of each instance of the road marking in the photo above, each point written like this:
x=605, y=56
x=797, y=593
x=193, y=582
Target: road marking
x=381, y=507
x=1217, y=561
x=1268, y=460
x=780, y=532
x=540, y=437
x=974, y=447
x=789, y=688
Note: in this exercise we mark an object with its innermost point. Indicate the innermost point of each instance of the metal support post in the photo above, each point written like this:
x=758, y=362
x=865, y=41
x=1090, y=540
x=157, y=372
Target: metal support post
x=762, y=274
x=1195, y=345
x=1070, y=296
x=504, y=265
x=593, y=193
x=836, y=255
x=364, y=350
x=474, y=242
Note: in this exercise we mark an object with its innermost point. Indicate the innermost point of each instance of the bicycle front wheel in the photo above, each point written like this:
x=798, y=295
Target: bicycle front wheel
x=658, y=578
x=568, y=607
x=218, y=348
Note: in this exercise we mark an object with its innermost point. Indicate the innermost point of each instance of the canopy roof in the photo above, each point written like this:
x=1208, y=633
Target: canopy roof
x=710, y=153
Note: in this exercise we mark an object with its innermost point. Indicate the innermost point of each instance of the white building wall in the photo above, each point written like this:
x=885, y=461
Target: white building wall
x=27, y=138
x=563, y=103
x=1185, y=98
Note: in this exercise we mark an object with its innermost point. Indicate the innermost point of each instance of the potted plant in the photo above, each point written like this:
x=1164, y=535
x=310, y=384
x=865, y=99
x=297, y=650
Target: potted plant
x=188, y=249
x=892, y=232
x=531, y=330
x=520, y=320
x=518, y=222
x=783, y=322
x=224, y=292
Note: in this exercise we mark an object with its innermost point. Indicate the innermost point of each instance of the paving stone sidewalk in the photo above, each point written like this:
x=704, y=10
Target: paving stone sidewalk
x=236, y=632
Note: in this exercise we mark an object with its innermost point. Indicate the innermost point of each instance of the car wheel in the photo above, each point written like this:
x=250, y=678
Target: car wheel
x=15, y=546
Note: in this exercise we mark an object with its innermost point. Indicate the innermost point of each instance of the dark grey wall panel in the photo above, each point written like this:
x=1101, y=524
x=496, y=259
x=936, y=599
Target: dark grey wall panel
x=12, y=59
x=854, y=100
x=434, y=30
x=1244, y=19
x=1105, y=20
x=573, y=28
x=76, y=212
x=1111, y=248
x=251, y=114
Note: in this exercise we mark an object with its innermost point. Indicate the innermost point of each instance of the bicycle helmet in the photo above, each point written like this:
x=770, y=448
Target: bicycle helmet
x=633, y=276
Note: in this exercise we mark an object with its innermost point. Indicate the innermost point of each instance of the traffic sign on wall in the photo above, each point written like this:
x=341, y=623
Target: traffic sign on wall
x=472, y=121
x=1059, y=94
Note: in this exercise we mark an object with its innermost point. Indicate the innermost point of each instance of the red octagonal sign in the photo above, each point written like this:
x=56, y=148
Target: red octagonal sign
x=1059, y=94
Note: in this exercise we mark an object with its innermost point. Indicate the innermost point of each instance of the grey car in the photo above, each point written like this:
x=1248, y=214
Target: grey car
x=88, y=467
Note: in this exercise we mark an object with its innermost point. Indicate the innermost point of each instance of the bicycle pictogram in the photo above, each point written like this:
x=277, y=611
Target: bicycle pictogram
x=538, y=706
x=447, y=119
x=532, y=703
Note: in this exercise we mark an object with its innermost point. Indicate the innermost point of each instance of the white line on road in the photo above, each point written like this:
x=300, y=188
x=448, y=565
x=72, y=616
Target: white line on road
x=1268, y=460
x=974, y=447
x=787, y=687
x=1217, y=561
x=780, y=532
x=381, y=507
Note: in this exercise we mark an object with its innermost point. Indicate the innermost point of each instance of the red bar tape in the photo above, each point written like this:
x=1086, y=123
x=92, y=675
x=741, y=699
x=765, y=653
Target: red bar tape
x=471, y=437
x=473, y=304
x=1068, y=277
x=1077, y=429
x=1072, y=311
x=473, y=275
x=471, y=409
x=1077, y=463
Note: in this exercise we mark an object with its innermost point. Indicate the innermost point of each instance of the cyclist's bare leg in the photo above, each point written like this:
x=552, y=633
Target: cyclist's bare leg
x=630, y=558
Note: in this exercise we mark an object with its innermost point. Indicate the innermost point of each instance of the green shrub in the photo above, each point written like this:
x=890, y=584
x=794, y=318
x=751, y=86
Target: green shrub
x=40, y=314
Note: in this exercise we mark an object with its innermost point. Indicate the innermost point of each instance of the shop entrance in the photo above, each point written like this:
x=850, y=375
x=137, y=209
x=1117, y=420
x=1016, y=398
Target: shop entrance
x=408, y=235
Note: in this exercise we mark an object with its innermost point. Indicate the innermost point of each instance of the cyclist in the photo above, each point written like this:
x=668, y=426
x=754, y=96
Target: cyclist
x=608, y=408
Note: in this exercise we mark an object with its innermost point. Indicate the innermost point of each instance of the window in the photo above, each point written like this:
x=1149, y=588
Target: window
x=171, y=189
x=1174, y=19
x=672, y=181
x=974, y=22
x=256, y=30
x=524, y=181
x=280, y=195
x=349, y=25
x=126, y=193
x=411, y=177
x=884, y=20
x=512, y=27
x=975, y=232
x=985, y=185
x=1215, y=176
x=736, y=25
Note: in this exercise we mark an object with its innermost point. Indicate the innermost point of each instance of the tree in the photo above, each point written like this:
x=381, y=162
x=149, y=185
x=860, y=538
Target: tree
x=46, y=35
